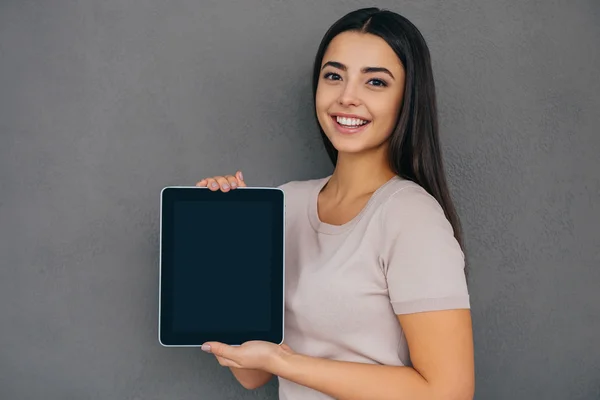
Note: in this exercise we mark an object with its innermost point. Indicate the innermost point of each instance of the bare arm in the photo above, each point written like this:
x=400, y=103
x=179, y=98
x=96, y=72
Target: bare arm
x=443, y=366
x=251, y=378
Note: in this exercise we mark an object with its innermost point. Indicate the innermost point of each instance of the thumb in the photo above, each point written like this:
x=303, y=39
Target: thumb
x=240, y=177
x=219, y=349
x=286, y=347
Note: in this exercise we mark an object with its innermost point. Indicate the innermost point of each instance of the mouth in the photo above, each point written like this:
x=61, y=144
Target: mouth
x=349, y=125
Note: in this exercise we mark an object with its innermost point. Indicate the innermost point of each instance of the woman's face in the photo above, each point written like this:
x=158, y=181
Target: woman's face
x=359, y=93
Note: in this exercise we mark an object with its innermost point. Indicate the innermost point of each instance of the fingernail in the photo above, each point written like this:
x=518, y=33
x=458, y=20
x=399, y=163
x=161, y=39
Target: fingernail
x=206, y=348
x=225, y=186
x=214, y=184
x=233, y=184
x=241, y=176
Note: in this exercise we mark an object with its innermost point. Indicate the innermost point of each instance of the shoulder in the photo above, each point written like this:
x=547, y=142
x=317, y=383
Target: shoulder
x=298, y=193
x=300, y=186
x=407, y=201
x=291, y=186
x=422, y=261
x=411, y=216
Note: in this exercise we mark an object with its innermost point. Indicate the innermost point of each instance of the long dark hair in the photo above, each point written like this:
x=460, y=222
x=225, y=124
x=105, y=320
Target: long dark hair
x=414, y=144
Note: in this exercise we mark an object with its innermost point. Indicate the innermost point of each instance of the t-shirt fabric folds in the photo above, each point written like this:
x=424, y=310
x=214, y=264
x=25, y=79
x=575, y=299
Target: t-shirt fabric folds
x=345, y=284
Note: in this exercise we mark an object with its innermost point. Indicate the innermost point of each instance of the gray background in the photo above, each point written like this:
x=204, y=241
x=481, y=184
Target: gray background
x=102, y=103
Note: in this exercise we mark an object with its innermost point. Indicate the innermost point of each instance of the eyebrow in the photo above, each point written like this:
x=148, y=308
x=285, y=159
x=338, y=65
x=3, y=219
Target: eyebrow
x=364, y=70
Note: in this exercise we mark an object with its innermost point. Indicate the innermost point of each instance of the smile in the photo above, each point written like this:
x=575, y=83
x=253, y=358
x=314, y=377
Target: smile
x=350, y=122
x=348, y=125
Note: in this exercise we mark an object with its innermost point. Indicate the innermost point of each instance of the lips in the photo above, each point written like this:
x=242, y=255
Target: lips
x=349, y=125
x=350, y=119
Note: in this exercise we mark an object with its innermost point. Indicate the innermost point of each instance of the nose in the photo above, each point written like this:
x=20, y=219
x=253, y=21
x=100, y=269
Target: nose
x=349, y=96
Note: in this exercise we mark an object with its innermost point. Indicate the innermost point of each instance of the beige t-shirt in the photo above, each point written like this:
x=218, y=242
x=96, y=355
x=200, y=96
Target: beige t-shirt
x=345, y=284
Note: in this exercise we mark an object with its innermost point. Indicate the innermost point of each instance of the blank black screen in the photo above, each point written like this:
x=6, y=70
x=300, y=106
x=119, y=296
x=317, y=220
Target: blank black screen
x=222, y=262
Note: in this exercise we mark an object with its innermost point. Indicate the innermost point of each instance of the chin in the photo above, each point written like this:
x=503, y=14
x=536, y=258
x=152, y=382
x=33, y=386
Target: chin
x=356, y=146
x=348, y=146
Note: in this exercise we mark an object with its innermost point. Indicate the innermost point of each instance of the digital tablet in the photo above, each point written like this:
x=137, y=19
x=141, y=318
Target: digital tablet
x=222, y=274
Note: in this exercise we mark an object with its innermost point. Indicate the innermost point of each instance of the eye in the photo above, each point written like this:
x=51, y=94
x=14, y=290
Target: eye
x=330, y=75
x=378, y=82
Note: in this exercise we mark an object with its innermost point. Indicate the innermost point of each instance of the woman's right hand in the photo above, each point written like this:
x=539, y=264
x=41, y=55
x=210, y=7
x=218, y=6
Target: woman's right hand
x=223, y=183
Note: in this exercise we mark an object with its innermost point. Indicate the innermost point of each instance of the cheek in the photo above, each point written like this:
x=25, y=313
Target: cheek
x=321, y=111
x=328, y=94
x=319, y=101
x=388, y=111
x=324, y=99
x=385, y=112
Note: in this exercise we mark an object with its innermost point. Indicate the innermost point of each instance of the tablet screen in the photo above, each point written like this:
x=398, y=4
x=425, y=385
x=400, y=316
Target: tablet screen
x=221, y=266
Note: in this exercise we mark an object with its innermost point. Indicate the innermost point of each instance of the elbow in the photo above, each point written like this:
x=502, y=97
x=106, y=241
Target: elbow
x=455, y=392
x=249, y=386
x=465, y=394
x=252, y=385
x=455, y=388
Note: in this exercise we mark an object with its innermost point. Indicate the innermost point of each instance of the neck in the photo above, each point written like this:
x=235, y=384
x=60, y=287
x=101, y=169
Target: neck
x=358, y=174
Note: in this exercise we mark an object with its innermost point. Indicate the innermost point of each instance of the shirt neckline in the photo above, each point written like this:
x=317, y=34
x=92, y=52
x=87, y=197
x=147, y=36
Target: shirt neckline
x=330, y=229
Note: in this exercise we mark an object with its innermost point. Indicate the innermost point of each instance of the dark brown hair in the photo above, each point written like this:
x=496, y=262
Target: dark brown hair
x=414, y=144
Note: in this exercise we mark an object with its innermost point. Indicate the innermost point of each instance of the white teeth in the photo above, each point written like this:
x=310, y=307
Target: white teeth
x=350, y=121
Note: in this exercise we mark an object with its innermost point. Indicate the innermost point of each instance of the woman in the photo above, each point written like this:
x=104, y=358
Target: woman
x=377, y=305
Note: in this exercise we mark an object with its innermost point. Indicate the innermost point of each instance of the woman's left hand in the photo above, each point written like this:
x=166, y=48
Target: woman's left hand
x=254, y=354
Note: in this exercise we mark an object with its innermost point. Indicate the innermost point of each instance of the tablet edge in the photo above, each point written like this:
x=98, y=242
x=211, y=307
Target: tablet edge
x=160, y=259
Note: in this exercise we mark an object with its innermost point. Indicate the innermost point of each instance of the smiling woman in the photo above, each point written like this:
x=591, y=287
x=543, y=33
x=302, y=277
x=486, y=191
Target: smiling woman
x=377, y=305
x=372, y=92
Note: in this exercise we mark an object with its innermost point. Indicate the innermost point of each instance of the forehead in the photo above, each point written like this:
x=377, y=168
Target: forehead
x=356, y=50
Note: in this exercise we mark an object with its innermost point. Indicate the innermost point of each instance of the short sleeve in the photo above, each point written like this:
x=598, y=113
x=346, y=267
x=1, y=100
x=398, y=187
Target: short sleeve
x=422, y=261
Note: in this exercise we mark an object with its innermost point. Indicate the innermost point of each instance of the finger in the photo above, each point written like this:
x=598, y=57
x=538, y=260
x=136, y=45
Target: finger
x=221, y=350
x=223, y=183
x=226, y=362
x=223, y=361
x=240, y=178
x=232, y=180
x=212, y=184
x=202, y=183
x=286, y=348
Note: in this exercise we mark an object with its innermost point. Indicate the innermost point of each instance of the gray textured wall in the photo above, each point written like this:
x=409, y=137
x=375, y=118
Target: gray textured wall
x=102, y=103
